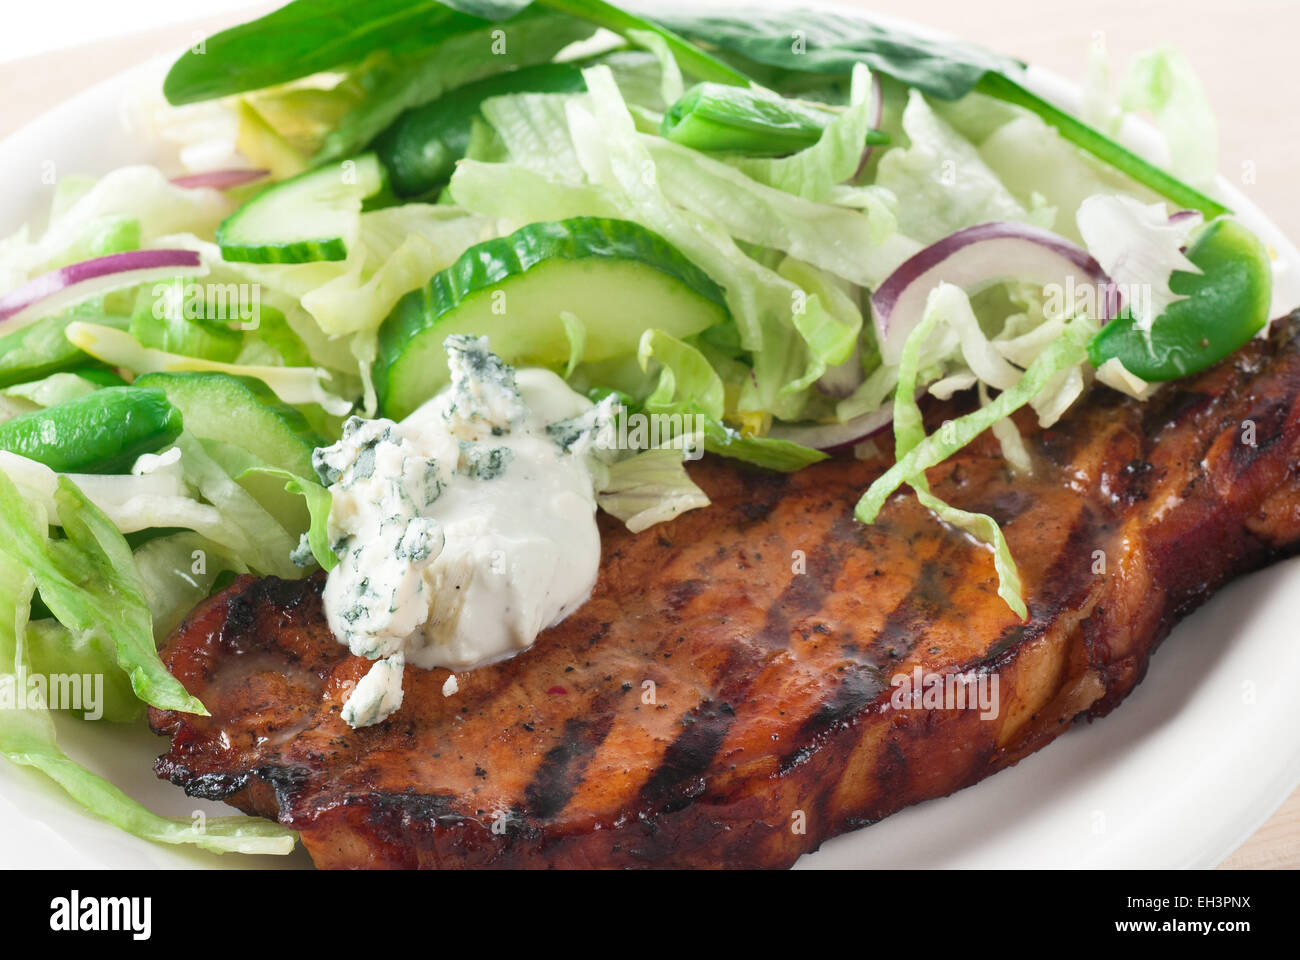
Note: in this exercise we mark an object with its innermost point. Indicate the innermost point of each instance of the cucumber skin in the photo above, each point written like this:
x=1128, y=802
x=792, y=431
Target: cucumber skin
x=299, y=251
x=420, y=148
x=484, y=266
x=102, y=432
x=223, y=391
x=310, y=250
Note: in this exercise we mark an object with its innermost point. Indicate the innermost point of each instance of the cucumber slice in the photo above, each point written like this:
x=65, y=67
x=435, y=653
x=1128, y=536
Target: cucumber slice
x=154, y=325
x=242, y=416
x=243, y=412
x=616, y=277
x=312, y=216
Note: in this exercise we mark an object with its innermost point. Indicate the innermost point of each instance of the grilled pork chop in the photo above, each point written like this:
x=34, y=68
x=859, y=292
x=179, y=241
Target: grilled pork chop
x=730, y=680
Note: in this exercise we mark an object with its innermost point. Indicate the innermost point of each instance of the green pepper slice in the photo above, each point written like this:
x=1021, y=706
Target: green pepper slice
x=1224, y=306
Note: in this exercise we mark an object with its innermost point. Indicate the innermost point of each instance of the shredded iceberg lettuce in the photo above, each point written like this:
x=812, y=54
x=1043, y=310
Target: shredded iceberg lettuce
x=89, y=582
x=941, y=182
x=685, y=377
x=1162, y=82
x=400, y=248
x=909, y=435
x=1066, y=352
x=293, y=385
x=648, y=488
x=27, y=735
x=1139, y=247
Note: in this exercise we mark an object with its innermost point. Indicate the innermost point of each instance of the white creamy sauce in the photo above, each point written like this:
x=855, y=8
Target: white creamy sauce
x=464, y=530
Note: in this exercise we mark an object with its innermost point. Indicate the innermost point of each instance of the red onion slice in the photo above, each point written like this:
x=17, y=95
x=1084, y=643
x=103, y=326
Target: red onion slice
x=973, y=259
x=835, y=436
x=220, y=179
x=56, y=291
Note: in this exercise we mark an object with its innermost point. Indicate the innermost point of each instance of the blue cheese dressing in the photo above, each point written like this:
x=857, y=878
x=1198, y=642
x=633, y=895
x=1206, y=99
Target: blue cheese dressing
x=466, y=529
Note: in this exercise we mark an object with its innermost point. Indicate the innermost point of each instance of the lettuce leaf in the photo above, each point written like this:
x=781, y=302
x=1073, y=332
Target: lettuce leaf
x=177, y=571
x=909, y=433
x=318, y=502
x=53, y=649
x=395, y=84
x=1066, y=352
x=648, y=488
x=52, y=390
x=670, y=82
x=830, y=328
x=686, y=380
x=293, y=385
x=1034, y=161
x=622, y=163
x=835, y=238
x=524, y=195
x=1162, y=82
x=400, y=249
x=89, y=582
x=263, y=542
x=941, y=182
x=27, y=736
x=143, y=195
x=769, y=452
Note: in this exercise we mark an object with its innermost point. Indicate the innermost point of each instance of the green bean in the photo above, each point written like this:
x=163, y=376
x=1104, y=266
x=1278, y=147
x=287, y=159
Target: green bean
x=755, y=122
x=102, y=432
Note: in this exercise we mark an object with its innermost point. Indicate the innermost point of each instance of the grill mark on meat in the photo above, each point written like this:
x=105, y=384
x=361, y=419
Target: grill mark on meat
x=394, y=813
x=857, y=691
x=908, y=621
x=1268, y=420
x=560, y=771
x=1074, y=561
x=1185, y=406
x=678, y=780
x=1005, y=507
x=762, y=492
x=287, y=782
x=684, y=591
x=209, y=786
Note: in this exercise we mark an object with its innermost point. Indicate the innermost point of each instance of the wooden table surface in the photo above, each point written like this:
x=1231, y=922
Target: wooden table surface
x=1242, y=50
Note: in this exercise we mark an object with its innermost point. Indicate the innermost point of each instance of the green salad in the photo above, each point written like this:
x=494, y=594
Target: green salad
x=792, y=226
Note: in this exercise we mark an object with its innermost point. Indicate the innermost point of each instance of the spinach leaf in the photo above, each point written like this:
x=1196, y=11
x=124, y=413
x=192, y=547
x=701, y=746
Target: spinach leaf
x=490, y=9
x=689, y=57
x=815, y=41
x=306, y=37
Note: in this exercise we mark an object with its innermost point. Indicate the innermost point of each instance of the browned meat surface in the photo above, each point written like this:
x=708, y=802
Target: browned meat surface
x=770, y=625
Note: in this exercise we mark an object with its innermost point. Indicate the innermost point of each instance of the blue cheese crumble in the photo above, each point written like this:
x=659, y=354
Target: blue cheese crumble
x=466, y=529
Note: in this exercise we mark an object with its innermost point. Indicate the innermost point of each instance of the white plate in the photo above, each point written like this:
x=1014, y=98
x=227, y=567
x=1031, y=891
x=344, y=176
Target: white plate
x=1188, y=767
